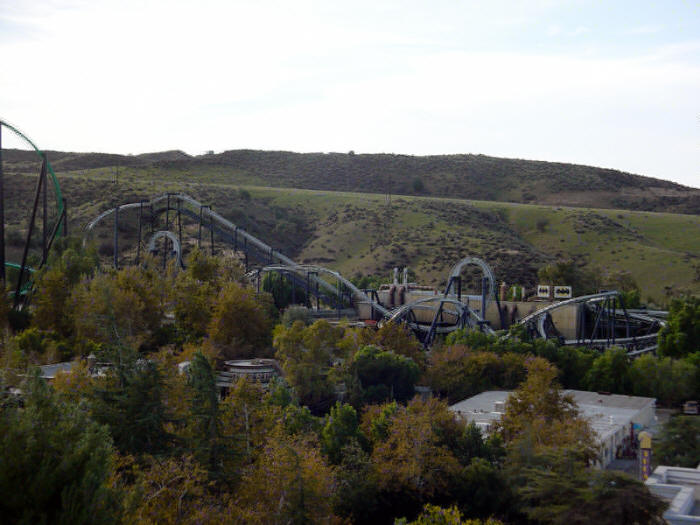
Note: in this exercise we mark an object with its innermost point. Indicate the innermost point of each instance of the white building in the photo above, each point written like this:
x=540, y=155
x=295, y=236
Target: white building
x=680, y=487
x=613, y=417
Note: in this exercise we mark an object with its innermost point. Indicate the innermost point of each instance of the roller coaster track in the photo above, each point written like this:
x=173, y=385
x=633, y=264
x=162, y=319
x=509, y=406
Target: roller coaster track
x=228, y=231
x=312, y=278
x=305, y=275
x=51, y=230
x=205, y=212
x=605, y=303
x=462, y=314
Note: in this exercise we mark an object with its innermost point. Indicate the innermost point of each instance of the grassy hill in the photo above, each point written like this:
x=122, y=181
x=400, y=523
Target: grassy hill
x=464, y=176
x=361, y=233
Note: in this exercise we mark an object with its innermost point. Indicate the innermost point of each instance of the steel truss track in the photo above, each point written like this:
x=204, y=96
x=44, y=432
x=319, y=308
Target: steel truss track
x=608, y=319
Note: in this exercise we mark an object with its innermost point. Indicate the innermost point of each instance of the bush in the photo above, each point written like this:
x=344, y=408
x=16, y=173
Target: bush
x=296, y=313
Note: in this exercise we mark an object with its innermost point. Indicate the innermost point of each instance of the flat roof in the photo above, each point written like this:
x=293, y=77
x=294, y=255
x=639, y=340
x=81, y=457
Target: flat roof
x=50, y=371
x=606, y=413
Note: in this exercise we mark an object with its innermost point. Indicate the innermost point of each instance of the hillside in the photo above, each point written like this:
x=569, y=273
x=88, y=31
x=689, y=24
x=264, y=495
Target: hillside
x=476, y=177
x=360, y=233
x=367, y=233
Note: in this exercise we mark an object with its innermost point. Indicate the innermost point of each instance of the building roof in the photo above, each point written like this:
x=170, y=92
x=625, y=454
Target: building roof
x=50, y=371
x=606, y=413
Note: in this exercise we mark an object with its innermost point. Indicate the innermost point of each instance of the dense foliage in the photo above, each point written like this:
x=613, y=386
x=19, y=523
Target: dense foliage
x=138, y=431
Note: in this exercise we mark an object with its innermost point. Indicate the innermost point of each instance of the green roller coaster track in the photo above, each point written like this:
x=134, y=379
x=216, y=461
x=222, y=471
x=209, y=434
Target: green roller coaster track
x=60, y=203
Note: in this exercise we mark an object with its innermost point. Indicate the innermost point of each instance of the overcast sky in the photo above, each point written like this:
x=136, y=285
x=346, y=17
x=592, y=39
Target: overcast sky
x=613, y=84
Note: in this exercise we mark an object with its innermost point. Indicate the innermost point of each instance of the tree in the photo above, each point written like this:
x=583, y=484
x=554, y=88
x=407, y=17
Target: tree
x=123, y=307
x=383, y=375
x=612, y=498
x=538, y=412
x=482, y=490
x=397, y=338
x=670, y=381
x=417, y=185
x=54, y=462
x=246, y=419
x=678, y=444
x=68, y=263
x=195, y=288
x=610, y=372
x=458, y=372
x=556, y=487
x=341, y=429
x=130, y=402
x=288, y=483
x=414, y=464
x=434, y=515
x=203, y=427
x=169, y=490
x=240, y=326
x=357, y=496
x=282, y=289
x=681, y=335
x=306, y=354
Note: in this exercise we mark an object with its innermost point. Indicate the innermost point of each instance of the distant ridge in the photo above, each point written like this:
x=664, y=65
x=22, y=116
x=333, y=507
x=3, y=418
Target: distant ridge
x=466, y=176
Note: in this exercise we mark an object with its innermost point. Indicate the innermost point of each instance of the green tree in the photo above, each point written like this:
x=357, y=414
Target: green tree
x=397, y=338
x=69, y=262
x=417, y=185
x=556, y=487
x=204, y=426
x=458, y=372
x=670, y=381
x=306, y=354
x=681, y=335
x=130, y=402
x=482, y=490
x=678, y=443
x=434, y=515
x=357, y=497
x=54, y=462
x=123, y=307
x=341, y=428
x=282, y=289
x=241, y=325
x=383, y=375
x=610, y=372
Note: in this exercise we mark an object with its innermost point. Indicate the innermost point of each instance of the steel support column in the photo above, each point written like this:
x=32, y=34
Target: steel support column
x=179, y=224
x=44, y=220
x=30, y=230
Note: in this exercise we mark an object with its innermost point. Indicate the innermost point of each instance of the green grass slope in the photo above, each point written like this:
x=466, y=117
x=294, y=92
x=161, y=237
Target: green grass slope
x=361, y=233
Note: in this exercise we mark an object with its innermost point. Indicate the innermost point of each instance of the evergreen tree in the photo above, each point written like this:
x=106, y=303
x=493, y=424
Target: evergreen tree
x=681, y=335
x=341, y=429
x=54, y=462
x=130, y=402
x=204, y=429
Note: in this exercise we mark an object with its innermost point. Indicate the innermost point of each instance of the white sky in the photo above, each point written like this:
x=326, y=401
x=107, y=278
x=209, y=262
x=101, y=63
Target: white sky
x=613, y=84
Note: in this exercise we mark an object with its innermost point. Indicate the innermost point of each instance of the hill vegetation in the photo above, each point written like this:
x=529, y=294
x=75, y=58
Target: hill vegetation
x=477, y=177
x=137, y=431
x=369, y=234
